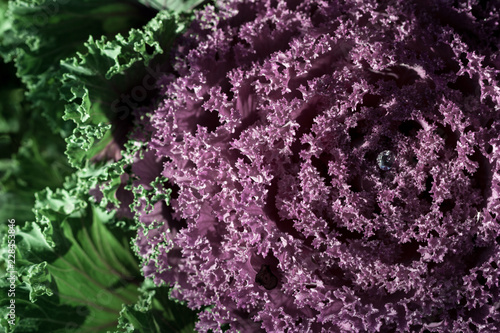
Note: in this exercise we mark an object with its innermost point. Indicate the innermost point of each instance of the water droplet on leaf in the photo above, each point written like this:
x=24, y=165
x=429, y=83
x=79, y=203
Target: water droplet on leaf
x=385, y=160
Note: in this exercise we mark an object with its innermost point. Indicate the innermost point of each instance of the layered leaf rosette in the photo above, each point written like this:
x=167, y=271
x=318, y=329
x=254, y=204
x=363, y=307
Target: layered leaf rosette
x=334, y=167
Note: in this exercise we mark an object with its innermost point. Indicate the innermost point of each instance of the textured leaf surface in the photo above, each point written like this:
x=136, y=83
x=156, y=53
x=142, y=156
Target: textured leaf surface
x=41, y=33
x=70, y=260
x=31, y=157
x=156, y=312
x=98, y=84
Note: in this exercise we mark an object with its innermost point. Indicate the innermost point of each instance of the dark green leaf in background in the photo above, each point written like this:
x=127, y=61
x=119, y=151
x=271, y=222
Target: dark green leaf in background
x=75, y=260
x=74, y=61
x=41, y=33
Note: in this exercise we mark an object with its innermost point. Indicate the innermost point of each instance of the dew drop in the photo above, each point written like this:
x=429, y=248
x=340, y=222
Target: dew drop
x=385, y=160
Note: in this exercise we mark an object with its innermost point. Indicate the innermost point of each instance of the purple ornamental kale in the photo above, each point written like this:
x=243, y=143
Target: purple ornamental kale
x=336, y=167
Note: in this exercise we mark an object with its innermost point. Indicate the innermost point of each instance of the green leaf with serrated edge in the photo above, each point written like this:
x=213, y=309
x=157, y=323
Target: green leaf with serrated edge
x=36, y=165
x=71, y=260
x=107, y=178
x=146, y=199
x=38, y=281
x=42, y=316
x=46, y=40
x=156, y=312
x=38, y=34
x=98, y=84
x=31, y=156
